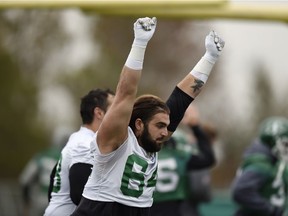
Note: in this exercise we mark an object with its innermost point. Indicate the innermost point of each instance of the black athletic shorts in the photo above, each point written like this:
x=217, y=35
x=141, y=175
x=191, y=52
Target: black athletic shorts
x=88, y=207
x=167, y=208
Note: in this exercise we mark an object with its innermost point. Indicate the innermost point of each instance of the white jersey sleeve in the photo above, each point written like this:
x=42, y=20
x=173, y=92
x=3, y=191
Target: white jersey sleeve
x=81, y=152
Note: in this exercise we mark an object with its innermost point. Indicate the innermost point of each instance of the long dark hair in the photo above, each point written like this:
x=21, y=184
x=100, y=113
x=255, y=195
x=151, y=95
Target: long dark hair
x=145, y=107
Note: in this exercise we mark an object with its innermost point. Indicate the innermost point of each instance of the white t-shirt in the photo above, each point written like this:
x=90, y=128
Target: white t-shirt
x=126, y=175
x=77, y=150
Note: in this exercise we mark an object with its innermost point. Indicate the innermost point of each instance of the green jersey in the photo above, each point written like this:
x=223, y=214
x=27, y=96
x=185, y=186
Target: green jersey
x=261, y=183
x=276, y=175
x=172, y=175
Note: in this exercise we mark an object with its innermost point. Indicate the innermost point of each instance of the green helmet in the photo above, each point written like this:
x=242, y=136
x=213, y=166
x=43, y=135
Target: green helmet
x=273, y=132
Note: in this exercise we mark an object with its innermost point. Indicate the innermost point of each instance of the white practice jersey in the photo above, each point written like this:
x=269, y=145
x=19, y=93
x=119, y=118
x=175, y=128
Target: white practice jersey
x=126, y=175
x=77, y=150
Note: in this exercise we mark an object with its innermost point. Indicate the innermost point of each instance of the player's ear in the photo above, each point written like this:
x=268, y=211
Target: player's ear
x=98, y=113
x=139, y=125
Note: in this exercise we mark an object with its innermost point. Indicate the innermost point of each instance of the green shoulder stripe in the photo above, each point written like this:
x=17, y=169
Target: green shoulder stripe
x=258, y=163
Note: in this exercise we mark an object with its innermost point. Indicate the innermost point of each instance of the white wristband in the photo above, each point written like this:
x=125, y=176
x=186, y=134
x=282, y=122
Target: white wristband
x=136, y=57
x=202, y=69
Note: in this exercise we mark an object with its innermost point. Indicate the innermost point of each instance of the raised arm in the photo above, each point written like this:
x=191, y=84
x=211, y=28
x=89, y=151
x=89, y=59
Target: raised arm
x=192, y=85
x=114, y=127
x=189, y=87
x=205, y=157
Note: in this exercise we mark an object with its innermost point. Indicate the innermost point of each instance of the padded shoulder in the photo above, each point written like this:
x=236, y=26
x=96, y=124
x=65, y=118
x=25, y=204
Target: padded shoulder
x=258, y=163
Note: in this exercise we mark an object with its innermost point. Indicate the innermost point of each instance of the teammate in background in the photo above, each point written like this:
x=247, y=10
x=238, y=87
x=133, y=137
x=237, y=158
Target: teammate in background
x=125, y=147
x=74, y=166
x=199, y=178
x=34, y=179
x=187, y=151
x=261, y=184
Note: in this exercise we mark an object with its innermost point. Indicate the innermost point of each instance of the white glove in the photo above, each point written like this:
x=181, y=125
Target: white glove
x=144, y=29
x=214, y=45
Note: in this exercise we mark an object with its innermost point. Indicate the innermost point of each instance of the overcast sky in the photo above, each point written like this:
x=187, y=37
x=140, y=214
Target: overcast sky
x=247, y=44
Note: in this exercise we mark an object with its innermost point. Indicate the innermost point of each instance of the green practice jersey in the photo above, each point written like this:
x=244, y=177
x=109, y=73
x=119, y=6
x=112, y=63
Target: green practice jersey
x=275, y=187
x=172, y=175
x=261, y=183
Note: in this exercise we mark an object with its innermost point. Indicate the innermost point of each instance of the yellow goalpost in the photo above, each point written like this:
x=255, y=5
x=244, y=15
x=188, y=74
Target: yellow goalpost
x=176, y=9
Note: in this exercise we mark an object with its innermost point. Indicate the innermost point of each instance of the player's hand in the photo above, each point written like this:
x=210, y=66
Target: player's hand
x=214, y=46
x=191, y=116
x=144, y=29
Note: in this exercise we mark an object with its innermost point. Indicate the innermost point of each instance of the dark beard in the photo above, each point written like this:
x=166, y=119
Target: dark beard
x=147, y=143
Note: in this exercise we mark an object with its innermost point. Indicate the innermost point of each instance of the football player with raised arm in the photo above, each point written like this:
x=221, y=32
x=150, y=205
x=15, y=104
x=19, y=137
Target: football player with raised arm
x=125, y=147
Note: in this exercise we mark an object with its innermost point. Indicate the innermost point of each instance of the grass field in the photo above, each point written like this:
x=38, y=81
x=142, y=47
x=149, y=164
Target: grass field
x=221, y=205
